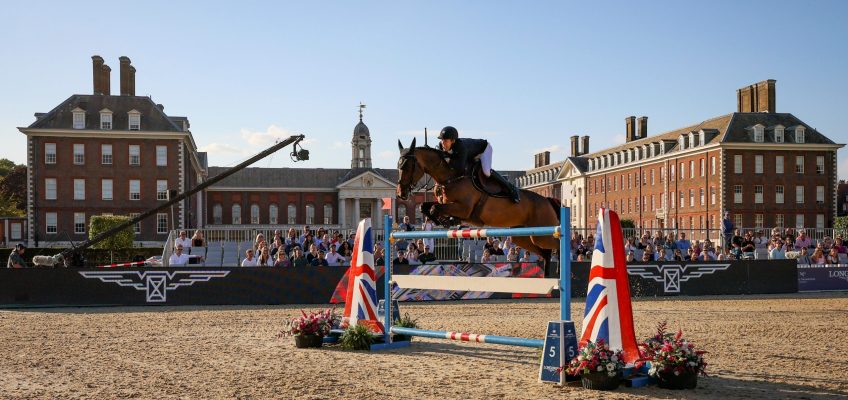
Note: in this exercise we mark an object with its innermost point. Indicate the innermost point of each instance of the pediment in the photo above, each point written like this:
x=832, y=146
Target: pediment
x=366, y=180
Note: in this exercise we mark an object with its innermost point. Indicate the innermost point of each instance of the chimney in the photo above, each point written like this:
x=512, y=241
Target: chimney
x=546, y=158
x=132, y=81
x=584, y=146
x=630, y=123
x=106, y=80
x=759, y=97
x=125, y=75
x=574, y=151
x=643, y=126
x=97, y=69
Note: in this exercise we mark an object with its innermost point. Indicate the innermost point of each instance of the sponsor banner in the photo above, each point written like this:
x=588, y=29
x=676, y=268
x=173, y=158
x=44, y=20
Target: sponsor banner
x=820, y=277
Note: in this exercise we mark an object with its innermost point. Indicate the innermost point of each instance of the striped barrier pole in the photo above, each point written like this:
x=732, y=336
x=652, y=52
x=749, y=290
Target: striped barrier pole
x=129, y=264
x=469, y=337
x=478, y=233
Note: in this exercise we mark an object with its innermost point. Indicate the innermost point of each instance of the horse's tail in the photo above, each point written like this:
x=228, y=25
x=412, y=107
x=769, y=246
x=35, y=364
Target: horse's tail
x=556, y=204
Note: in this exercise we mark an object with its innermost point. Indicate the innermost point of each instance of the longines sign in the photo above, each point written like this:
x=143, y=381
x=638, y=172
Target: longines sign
x=155, y=284
x=671, y=275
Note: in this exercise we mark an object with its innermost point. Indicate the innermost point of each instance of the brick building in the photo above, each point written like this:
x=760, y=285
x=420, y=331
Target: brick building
x=766, y=168
x=104, y=154
x=842, y=199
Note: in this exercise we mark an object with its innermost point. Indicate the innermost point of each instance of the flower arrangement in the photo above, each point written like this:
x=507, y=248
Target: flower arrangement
x=671, y=354
x=316, y=323
x=596, y=358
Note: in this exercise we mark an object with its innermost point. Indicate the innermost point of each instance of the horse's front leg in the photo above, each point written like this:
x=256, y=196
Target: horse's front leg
x=454, y=209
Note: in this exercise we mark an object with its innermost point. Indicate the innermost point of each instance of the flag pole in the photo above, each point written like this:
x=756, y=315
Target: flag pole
x=387, y=277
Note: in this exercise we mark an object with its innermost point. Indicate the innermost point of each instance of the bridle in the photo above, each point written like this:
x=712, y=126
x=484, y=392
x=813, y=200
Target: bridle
x=410, y=156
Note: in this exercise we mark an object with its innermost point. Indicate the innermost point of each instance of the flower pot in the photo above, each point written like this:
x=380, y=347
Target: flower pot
x=306, y=341
x=686, y=380
x=600, y=381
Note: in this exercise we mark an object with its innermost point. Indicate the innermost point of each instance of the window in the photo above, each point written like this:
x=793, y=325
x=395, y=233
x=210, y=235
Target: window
x=50, y=189
x=737, y=194
x=799, y=164
x=712, y=195
x=162, y=156
x=703, y=170
x=819, y=194
x=653, y=207
x=79, y=223
x=273, y=214
x=79, y=189
x=630, y=181
x=682, y=171
x=217, y=214
x=682, y=200
x=712, y=165
x=135, y=154
x=758, y=194
x=737, y=219
x=50, y=222
x=106, y=154
x=652, y=177
x=135, y=189
x=162, y=223
x=758, y=134
x=778, y=134
x=134, y=120
x=778, y=220
x=737, y=164
x=254, y=214
x=778, y=194
x=820, y=165
x=758, y=164
x=819, y=221
x=328, y=214
x=778, y=164
x=106, y=120
x=106, y=189
x=310, y=214
x=629, y=205
x=691, y=169
x=161, y=189
x=79, y=154
x=799, y=221
x=50, y=153
x=703, y=196
x=799, y=135
x=79, y=119
x=799, y=194
x=691, y=198
x=236, y=214
x=401, y=212
x=291, y=214
x=758, y=221
x=137, y=226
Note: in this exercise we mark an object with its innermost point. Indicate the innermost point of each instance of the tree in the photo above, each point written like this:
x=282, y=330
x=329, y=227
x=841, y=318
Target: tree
x=840, y=226
x=13, y=190
x=120, y=240
x=6, y=166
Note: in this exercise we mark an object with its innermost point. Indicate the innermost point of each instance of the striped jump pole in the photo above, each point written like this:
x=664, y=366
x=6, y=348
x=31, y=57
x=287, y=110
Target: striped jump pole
x=477, y=233
x=469, y=337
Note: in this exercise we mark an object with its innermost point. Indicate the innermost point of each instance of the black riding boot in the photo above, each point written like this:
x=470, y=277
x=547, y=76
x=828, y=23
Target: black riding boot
x=513, y=191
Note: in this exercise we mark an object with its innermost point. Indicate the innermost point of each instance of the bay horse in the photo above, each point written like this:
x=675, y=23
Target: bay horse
x=461, y=200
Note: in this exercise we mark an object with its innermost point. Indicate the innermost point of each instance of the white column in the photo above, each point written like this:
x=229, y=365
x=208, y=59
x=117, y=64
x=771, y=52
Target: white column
x=378, y=215
x=356, y=212
x=342, y=204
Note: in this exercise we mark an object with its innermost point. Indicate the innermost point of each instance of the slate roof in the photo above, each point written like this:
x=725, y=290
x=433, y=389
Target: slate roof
x=740, y=132
x=581, y=163
x=62, y=117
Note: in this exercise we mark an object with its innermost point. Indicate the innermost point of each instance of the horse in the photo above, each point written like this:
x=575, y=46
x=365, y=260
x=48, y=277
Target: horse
x=461, y=200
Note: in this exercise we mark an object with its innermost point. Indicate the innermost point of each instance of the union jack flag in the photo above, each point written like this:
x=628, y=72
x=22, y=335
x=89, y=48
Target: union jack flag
x=609, y=314
x=361, y=301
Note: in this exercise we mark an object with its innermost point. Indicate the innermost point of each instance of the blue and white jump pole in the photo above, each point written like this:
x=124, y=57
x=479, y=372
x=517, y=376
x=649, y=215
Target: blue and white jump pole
x=563, y=232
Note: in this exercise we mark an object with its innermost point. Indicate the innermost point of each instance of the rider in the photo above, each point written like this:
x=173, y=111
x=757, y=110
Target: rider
x=463, y=153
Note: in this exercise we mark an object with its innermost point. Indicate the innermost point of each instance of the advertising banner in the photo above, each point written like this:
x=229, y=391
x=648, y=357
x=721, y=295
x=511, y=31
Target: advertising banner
x=813, y=278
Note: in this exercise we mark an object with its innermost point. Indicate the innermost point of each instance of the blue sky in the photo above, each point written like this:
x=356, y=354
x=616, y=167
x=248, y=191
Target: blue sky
x=525, y=75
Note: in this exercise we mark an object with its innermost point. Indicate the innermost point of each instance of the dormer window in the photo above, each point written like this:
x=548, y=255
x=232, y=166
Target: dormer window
x=134, y=120
x=682, y=142
x=759, y=133
x=778, y=134
x=799, y=135
x=702, y=138
x=692, y=140
x=105, y=119
x=79, y=118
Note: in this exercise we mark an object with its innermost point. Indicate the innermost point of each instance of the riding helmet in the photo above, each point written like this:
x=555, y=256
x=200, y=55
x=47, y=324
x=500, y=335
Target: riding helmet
x=449, y=132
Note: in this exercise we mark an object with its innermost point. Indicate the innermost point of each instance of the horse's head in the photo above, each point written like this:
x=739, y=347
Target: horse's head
x=409, y=172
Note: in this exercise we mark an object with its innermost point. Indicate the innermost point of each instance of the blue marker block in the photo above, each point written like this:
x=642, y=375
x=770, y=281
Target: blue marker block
x=560, y=348
x=381, y=310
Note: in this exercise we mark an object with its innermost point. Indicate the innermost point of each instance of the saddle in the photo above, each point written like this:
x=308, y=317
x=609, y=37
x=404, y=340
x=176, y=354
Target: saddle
x=489, y=185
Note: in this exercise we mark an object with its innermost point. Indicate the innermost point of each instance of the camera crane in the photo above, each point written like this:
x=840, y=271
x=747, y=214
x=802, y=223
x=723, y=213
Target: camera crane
x=71, y=256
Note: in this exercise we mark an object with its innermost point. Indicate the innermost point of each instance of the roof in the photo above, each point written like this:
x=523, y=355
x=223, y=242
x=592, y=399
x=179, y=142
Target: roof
x=581, y=163
x=152, y=118
x=361, y=130
x=740, y=132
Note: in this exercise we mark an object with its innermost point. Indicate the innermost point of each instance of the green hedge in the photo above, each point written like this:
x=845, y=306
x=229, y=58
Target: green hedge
x=93, y=257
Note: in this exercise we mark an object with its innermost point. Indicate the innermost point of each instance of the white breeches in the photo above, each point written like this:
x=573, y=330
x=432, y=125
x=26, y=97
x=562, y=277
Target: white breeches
x=486, y=160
